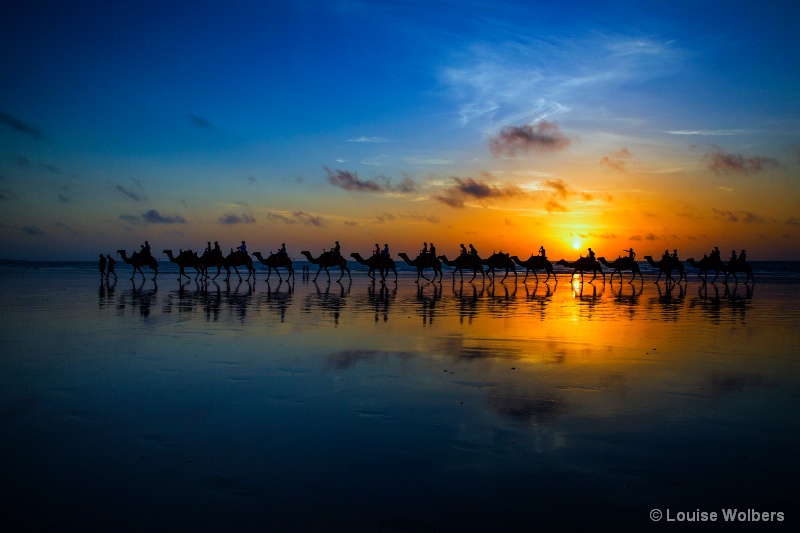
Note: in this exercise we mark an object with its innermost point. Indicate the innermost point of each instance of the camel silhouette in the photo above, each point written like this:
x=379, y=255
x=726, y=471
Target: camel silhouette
x=462, y=263
x=584, y=264
x=534, y=263
x=739, y=265
x=423, y=262
x=274, y=262
x=138, y=260
x=185, y=259
x=666, y=266
x=621, y=264
x=327, y=260
x=707, y=264
x=499, y=261
x=381, y=263
x=233, y=259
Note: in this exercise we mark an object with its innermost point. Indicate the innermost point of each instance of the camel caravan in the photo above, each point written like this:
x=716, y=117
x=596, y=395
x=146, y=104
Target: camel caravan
x=380, y=263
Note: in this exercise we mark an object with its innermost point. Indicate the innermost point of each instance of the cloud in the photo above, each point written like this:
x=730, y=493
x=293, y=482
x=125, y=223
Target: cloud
x=153, y=217
x=720, y=162
x=645, y=237
x=200, y=122
x=543, y=137
x=231, y=219
x=466, y=189
x=130, y=194
x=20, y=127
x=308, y=219
x=711, y=133
x=350, y=181
x=31, y=230
x=65, y=227
x=553, y=206
x=617, y=160
x=362, y=139
x=745, y=217
x=559, y=186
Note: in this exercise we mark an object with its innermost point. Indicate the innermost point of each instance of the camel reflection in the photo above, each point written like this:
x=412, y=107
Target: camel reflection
x=540, y=301
x=670, y=300
x=426, y=303
x=278, y=299
x=138, y=298
x=468, y=305
x=712, y=302
x=329, y=301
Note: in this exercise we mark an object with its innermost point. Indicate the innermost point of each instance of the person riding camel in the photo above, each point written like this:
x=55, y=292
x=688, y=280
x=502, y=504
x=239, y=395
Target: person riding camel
x=242, y=249
x=742, y=256
x=675, y=254
x=424, y=250
x=377, y=251
x=591, y=254
x=542, y=252
x=386, y=250
x=336, y=251
x=631, y=253
x=733, y=256
x=432, y=250
x=463, y=250
x=282, y=250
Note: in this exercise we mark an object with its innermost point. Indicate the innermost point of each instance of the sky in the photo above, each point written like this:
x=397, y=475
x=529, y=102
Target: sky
x=508, y=125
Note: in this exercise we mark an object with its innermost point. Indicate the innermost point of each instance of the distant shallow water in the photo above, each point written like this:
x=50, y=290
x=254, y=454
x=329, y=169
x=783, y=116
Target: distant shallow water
x=423, y=407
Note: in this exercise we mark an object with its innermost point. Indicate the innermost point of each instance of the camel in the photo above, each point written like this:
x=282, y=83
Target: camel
x=739, y=265
x=138, y=260
x=705, y=265
x=622, y=263
x=499, y=261
x=275, y=261
x=533, y=263
x=584, y=264
x=328, y=260
x=423, y=262
x=666, y=266
x=185, y=260
x=464, y=262
x=379, y=262
x=234, y=259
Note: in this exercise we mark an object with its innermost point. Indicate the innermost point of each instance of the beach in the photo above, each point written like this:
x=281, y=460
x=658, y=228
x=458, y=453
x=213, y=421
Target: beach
x=354, y=405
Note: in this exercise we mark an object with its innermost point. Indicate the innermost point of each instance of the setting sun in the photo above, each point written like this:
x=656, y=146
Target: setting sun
x=576, y=245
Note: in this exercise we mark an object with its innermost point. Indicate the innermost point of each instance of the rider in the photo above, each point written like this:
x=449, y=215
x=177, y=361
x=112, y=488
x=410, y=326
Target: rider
x=733, y=256
x=146, y=249
x=282, y=251
x=337, y=251
x=742, y=256
x=675, y=254
x=377, y=251
x=591, y=254
x=242, y=248
x=386, y=250
x=217, y=249
x=432, y=250
x=463, y=250
x=424, y=251
x=208, y=248
x=631, y=253
x=542, y=253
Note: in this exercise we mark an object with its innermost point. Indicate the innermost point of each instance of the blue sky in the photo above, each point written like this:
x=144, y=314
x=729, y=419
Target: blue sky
x=511, y=124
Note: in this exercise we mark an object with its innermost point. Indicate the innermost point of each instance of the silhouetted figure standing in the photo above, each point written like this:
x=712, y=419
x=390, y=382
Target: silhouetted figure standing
x=102, y=266
x=111, y=263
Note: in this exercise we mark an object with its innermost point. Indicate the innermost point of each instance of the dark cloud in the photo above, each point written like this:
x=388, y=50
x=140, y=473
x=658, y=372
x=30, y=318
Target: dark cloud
x=350, y=181
x=153, y=217
x=231, y=219
x=721, y=162
x=745, y=217
x=385, y=217
x=136, y=197
x=466, y=189
x=20, y=127
x=552, y=205
x=543, y=137
x=559, y=186
x=31, y=230
x=200, y=122
x=645, y=237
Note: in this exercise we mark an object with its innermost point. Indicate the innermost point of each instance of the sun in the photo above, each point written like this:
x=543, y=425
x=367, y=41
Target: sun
x=576, y=245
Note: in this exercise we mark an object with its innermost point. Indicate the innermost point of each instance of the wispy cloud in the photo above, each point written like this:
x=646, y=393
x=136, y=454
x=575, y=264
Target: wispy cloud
x=295, y=217
x=136, y=197
x=645, y=237
x=709, y=133
x=745, y=217
x=375, y=140
x=543, y=136
x=617, y=160
x=200, y=122
x=152, y=216
x=350, y=181
x=230, y=219
x=21, y=127
x=721, y=162
x=31, y=230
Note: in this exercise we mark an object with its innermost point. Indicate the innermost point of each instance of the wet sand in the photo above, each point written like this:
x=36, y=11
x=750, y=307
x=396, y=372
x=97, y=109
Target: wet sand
x=359, y=407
